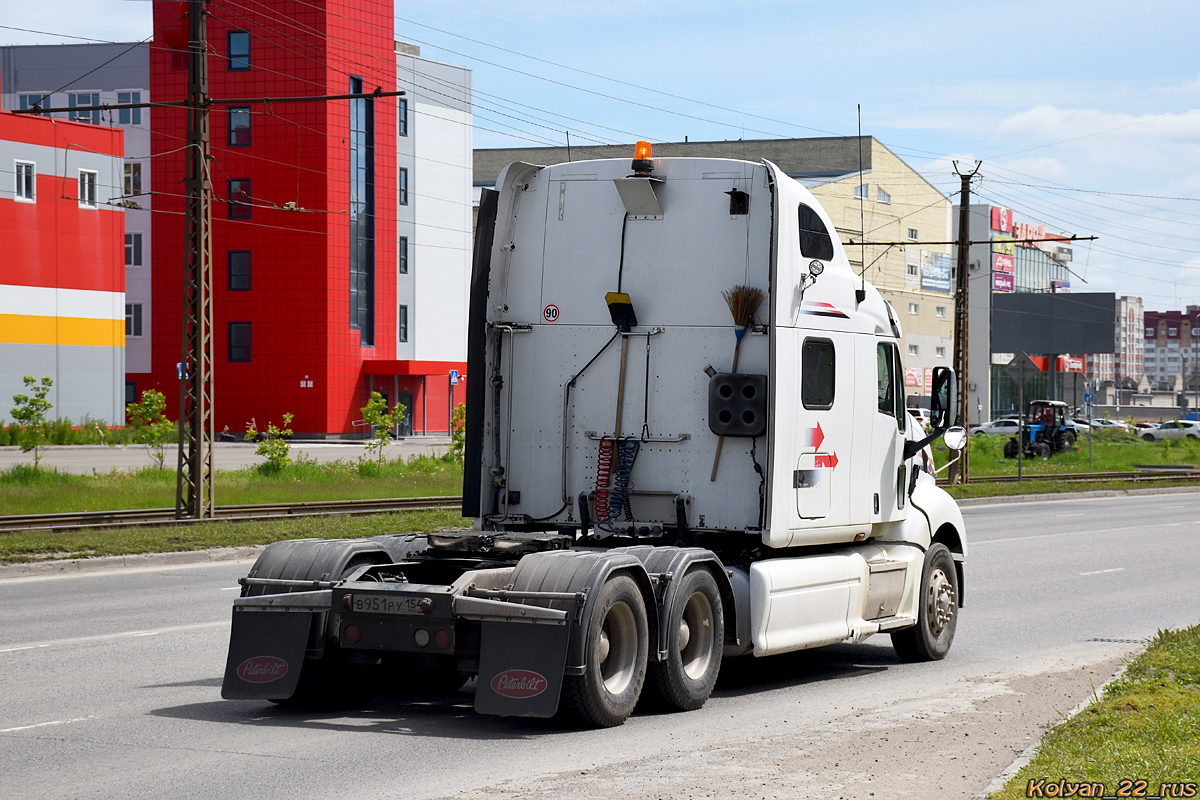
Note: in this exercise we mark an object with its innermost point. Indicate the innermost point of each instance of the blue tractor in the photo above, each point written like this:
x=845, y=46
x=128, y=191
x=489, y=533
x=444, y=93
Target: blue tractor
x=1047, y=429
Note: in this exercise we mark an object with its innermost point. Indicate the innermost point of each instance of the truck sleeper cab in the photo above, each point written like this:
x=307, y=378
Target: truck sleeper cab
x=686, y=440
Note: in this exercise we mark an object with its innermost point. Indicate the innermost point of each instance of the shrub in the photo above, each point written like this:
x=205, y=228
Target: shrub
x=458, y=433
x=276, y=448
x=375, y=414
x=150, y=424
x=30, y=410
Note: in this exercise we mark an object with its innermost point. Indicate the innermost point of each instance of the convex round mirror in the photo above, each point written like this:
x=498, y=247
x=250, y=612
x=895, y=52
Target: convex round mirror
x=955, y=438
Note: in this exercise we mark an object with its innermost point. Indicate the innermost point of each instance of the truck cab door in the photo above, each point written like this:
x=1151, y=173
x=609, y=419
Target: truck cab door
x=888, y=470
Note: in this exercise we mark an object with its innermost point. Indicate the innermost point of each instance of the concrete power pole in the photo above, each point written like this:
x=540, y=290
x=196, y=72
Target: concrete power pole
x=194, y=479
x=959, y=470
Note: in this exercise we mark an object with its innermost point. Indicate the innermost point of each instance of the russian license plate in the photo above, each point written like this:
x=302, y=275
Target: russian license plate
x=376, y=604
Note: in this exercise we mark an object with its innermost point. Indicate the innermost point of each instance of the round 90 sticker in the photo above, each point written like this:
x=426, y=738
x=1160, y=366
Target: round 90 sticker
x=550, y=313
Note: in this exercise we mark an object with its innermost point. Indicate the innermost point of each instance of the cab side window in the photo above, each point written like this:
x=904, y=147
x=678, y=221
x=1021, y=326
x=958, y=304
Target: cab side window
x=814, y=236
x=817, y=372
x=890, y=393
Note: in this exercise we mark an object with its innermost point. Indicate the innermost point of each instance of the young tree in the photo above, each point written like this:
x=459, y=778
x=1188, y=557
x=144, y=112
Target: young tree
x=458, y=432
x=30, y=411
x=275, y=448
x=150, y=423
x=376, y=415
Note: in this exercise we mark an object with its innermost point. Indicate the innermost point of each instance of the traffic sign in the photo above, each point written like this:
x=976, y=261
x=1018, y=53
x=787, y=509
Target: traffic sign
x=454, y=377
x=1021, y=365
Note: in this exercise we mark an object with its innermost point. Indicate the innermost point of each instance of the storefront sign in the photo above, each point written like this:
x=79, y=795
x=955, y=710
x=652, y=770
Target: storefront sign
x=1004, y=244
x=1001, y=219
x=1003, y=282
x=1004, y=263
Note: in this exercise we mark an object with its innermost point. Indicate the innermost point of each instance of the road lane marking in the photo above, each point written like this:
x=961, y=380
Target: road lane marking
x=44, y=724
x=1080, y=514
x=229, y=588
x=104, y=636
x=1104, y=571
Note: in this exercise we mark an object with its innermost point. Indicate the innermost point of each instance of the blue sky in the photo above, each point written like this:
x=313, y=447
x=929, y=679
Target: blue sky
x=1086, y=114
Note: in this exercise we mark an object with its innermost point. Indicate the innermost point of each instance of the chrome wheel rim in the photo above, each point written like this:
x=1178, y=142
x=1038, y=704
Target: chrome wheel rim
x=939, y=602
x=618, y=648
x=696, y=632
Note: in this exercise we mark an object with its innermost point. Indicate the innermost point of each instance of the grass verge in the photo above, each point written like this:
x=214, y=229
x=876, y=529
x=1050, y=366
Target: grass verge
x=24, y=546
x=1051, y=486
x=1146, y=728
x=24, y=490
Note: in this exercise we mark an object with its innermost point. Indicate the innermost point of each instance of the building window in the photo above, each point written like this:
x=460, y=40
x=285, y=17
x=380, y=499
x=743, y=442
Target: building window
x=402, y=251
x=940, y=311
x=130, y=392
x=133, y=178
x=403, y=184
x=26, y=183
x=239, y=270
x=239, y=198
x=881, y=195
x=912, y=234
x=402, y=120
x=129, y=116
x=940, y=352
x=83, y=101
x=861, y=190
x=912, y=270
x=29, y=101
x=238, y=50
x=914, y=308
x=87, y=188
x=239, y=126
x=133, y=249
x=402, y=324
x=914, y=350
x=133, y=319
x=239, y=341
x=362, y=214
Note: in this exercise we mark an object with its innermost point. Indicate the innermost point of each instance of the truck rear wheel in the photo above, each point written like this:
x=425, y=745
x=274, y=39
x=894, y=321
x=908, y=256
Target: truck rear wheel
x=937, y=612
x=695, y=641
x=616, y=648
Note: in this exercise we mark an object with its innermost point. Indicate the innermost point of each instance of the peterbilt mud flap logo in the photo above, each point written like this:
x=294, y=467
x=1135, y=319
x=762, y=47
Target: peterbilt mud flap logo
x=519, y=684
x=262, y=669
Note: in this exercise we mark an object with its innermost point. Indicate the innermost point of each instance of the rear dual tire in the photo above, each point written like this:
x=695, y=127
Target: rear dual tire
x=695, y=643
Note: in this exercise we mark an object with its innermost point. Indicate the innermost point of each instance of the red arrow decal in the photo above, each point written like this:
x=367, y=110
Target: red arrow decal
x=815, y=437
x=826, y=461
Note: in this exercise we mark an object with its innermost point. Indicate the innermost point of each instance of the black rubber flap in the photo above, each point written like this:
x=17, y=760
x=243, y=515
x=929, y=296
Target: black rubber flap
x=521, y=668
x=266, y=653
x=737, y=404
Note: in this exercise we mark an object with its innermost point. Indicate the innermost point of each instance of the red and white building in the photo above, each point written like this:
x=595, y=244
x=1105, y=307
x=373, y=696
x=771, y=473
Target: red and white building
x=62, y=274
x=1173, y=349
x=341, y=229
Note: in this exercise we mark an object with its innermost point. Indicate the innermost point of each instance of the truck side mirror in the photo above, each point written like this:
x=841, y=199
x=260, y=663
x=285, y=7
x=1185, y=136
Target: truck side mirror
x=943, y=404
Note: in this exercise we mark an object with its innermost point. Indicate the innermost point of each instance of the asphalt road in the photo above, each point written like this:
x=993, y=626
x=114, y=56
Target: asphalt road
x=84, y=459
x=110, y=685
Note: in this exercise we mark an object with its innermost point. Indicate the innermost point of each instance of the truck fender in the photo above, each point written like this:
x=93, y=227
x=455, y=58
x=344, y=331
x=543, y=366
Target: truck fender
x=311, y=560
x=667, y=565
x=581, y=572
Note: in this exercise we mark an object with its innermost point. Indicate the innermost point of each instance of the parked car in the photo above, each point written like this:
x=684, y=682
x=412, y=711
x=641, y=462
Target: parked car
x=1005, y=427
x=921, y=415
x=1175, y=429
x=1110, y=425
x=1081, y=424
x=1144, y=426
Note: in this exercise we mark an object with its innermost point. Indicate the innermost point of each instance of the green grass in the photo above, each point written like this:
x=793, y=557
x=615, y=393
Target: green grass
x=1111, y=452
x=1147, y=727
x=24, y=490
x=24, y=546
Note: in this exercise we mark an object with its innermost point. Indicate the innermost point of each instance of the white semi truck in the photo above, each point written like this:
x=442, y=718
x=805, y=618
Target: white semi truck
x=686, y=441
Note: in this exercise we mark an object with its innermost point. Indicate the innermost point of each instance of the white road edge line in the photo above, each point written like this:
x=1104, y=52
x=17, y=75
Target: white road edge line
x=1104, y=571
x=44, y=724
x=122, y=635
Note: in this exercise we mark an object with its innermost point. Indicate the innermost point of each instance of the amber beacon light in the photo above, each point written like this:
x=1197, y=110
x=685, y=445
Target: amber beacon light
x=643, y=157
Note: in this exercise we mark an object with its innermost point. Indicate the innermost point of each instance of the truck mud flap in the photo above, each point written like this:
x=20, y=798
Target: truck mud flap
x=521, y=668
x=268, y=642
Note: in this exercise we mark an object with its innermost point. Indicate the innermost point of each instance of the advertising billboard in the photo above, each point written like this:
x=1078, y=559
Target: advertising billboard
x=1004, y=244
x=1001, y=219
x=1003, y=281
x=935, y=272
x=1053, y=323
x=1004, y=263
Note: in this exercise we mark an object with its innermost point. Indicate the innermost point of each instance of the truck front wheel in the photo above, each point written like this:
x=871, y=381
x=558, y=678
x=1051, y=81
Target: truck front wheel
x=618, y=640
x=937, y=612
x=695, y=640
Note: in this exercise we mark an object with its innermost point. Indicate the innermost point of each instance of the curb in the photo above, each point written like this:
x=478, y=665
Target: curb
x=1028, y=754
x=967, y=502
x=78, y=565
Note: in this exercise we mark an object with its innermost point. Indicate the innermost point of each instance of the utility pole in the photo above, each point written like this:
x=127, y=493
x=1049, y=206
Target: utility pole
x=194, y=478
x=959, y=470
